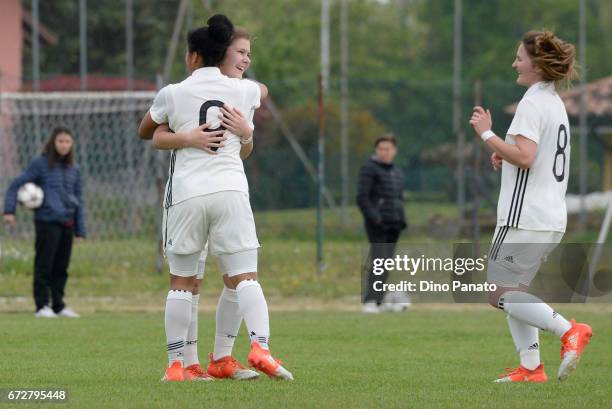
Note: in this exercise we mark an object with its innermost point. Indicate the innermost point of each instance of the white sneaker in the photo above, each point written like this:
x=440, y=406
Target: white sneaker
x=68, y=313
x=396, y=302
x=395, y=307
x=370, y=308
x=45, y=312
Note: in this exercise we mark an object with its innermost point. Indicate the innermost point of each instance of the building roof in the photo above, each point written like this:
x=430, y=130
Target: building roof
x=598, y=99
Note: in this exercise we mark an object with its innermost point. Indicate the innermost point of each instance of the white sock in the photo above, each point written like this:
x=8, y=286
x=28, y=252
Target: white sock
x=228, y=320
x=527, y=342
x=178, y=317
x=533, y=311
x=254, y=309
x=191, y=345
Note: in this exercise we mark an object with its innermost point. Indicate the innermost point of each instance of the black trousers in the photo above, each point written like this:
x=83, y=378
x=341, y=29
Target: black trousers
x=383, y=240
x=53, y=248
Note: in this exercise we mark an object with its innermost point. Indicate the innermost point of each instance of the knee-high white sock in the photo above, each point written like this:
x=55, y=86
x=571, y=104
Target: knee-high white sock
x=527, y=341
x=191, y=345
x=533, y=311
x=254, y=309
x=178, y=317
x=228, y=320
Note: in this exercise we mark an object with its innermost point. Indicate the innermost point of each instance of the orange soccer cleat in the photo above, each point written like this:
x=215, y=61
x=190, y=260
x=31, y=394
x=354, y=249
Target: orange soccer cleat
x=262, y=360
x=174, y=373
x=522, y=374
x=195, y=372
x=228, y=367
x=572, y=345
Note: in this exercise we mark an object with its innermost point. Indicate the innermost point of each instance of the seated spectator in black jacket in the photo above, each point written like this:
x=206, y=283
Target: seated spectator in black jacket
x=380, y=199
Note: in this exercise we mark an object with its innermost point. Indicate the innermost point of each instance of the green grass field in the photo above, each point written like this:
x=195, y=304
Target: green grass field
x=120, y=267
x=420, y=359
x=433, y=356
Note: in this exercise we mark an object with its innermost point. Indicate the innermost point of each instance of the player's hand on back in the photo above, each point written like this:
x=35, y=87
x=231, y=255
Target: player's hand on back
x=199, y=138
x=9, y=219
x=235, y=122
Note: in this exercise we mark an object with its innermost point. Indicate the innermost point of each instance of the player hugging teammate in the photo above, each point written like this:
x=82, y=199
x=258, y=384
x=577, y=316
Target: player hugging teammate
x=531, y=214
x=207, y=198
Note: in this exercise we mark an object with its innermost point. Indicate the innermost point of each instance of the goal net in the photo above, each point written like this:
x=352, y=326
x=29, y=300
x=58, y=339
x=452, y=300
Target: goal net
x=122, y=176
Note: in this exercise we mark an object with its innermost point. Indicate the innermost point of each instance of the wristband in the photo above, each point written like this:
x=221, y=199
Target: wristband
x=246, y=141
x=486, y=135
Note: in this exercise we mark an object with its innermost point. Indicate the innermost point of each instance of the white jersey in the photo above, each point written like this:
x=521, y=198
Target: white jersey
x=193, y=102
x=534, y=198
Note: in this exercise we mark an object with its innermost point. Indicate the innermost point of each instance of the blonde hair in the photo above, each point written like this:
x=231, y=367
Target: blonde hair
x=555, y=58
x=239, y=33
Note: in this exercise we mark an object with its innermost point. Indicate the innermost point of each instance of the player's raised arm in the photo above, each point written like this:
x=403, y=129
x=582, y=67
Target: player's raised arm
x=521, y=155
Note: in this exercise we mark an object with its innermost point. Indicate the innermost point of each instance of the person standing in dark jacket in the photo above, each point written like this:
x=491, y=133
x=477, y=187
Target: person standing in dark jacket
x=380, y=199
x=60, y=217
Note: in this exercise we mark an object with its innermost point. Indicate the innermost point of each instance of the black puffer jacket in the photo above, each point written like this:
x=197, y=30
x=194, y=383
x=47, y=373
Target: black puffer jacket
x=381, y=194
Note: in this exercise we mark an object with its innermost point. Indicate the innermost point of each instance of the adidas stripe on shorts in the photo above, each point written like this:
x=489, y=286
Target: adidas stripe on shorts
x=517, y=254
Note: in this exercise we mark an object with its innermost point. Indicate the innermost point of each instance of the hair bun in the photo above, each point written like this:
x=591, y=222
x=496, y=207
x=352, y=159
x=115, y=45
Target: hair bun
x=555, y=57
x=548, y=42
x=220, y=28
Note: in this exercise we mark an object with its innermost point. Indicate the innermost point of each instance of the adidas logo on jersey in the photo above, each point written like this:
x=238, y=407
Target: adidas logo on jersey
x=509, y=259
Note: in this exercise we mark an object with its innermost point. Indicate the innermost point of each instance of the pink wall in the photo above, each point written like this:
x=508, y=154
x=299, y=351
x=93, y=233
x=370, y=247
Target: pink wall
x=11, y=43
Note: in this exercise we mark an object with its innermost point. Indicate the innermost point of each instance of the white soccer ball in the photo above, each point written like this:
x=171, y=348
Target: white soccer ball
x=30, y=196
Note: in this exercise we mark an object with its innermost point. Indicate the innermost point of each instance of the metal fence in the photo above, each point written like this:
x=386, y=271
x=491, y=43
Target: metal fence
x=119, y=171
x=124, y=177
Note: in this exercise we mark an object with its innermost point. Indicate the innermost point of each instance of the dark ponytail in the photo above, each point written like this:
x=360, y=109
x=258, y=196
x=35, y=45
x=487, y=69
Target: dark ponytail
x=211, y=41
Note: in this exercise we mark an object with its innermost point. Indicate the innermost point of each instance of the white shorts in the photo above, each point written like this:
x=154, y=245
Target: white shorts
x=233, y=263
x=224, y=221
x=516, y=255
x=202, y=263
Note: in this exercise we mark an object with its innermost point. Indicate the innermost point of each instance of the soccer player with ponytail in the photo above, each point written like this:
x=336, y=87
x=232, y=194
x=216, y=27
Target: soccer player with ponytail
x=228, y=317
x=207, y=197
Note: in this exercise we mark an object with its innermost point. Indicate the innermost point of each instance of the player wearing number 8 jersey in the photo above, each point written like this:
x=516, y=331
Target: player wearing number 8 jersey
x=533, y=198
x=531, y=212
